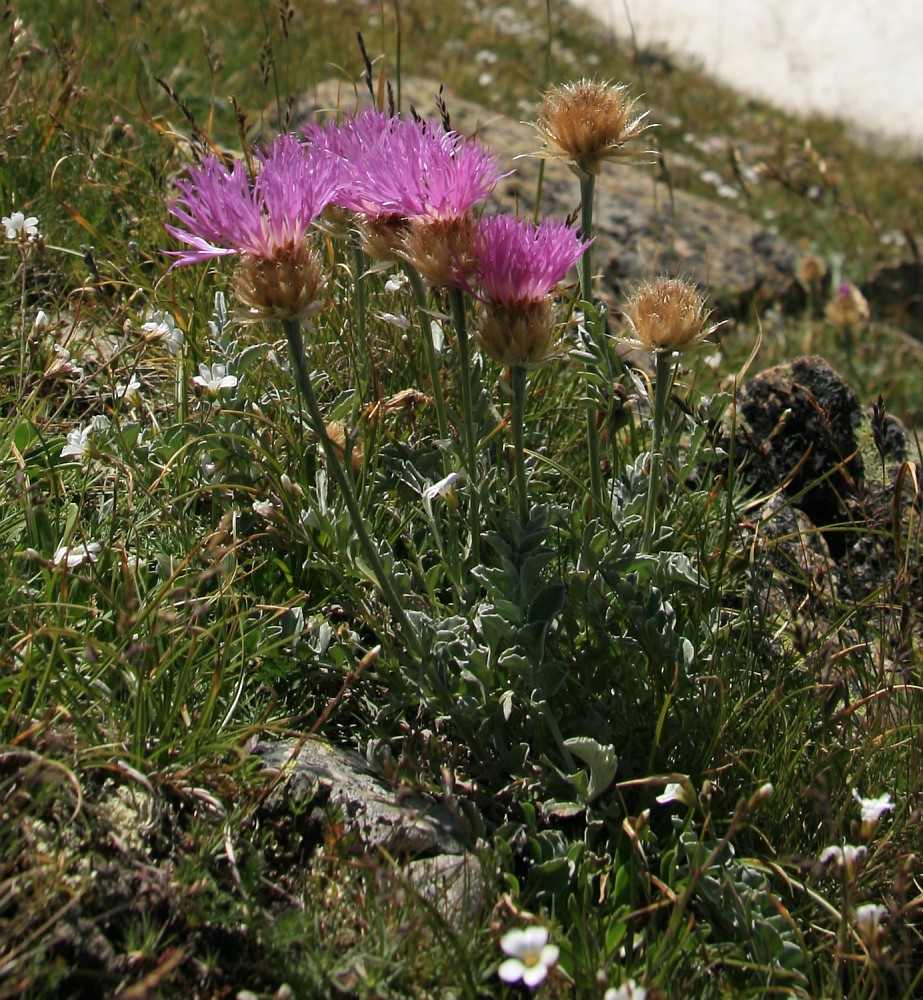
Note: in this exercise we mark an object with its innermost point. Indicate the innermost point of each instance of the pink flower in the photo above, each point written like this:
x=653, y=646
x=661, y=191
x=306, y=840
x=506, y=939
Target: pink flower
x=518, y=266
x=413, y=169
x=520, y=262
x=221, y=213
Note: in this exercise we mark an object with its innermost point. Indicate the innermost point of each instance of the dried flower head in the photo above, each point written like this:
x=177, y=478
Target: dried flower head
x=519, y=265
x=587, y=122
x=810, y=272
x=668, y=314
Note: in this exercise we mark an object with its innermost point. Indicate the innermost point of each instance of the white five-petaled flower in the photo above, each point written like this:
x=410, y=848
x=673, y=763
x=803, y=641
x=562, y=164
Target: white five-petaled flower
x=215, y=378
x=530, y=956
x=129, y=391
x=445, y=488
x=78, y=443
x=629, y=990
x=676, y=791
x=868, y=919
x=162, y=326
x=76, y=555
x=845, y=857
x=20, y=227
x=872, y=810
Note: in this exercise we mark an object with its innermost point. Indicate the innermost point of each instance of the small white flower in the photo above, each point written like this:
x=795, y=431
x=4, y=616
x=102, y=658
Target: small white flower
x=872, y=810
x=263, y=507
x=845, y=857
x=675, y=791
x=76, y=555
x=530, y=956
x=162, y=326
x=629, y=990
x=215, y=378
x=20, y=227
x=445, y=488
x=41, y=320
x=395, y=319
x=129, y=391
x=78, y=443
x=396, y=282
x=62, y=364
x=868, y=919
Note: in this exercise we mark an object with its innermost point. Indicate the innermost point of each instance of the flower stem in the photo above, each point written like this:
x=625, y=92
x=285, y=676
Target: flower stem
x=587, y=193
x=518, y=376
x=419, y=295
x=303, y=381
x=663, y=380
x=457, y=300
x=585, y=267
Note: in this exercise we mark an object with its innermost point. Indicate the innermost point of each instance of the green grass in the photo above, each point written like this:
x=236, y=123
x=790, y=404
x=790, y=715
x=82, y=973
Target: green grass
x=568, y=677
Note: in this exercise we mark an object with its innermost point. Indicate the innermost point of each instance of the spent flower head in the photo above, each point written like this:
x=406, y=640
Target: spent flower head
x=667, y=315
x=530, y=956
x=519, y=265
x=588, y=122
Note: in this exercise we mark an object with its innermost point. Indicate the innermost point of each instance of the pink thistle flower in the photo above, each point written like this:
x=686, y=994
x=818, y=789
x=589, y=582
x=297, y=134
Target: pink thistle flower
x=221, y=213
x=266, y=222
x=518, y=266
x=520, y=262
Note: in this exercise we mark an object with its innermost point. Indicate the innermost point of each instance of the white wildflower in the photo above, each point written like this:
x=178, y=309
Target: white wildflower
x=21, y=228
x=263, y=507
x=530, y=956
x=161, y=326
x=214, y=378
x=78, y=444
x=129, y=391
x=629, y=990
x=845, y=857
x=445, y=488
x=76, y=555
x=872, y=810
x=677, y=791
x=868, y=919
x=63, y=364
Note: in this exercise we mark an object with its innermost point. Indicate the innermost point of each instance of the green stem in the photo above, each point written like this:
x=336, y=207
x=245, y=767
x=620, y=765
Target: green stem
x=457, y=300
x=335, y=467
x=663, y=380
x=419, y=296
x=518, y=374
x=587, y=192
x=585, y=267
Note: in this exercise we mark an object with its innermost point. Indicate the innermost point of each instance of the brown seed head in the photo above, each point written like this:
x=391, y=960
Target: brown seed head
x=519, y=336
x=285, y=286
x=444, y=251
x=667, y=315
x=587, y=122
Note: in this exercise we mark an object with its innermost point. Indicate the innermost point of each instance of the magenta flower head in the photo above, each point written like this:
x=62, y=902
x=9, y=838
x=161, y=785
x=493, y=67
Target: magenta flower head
x=221, y=213
x=519, y=264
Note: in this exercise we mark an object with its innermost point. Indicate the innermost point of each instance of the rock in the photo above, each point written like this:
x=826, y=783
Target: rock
x=895, y=294
x=828, y=466
x=431, y=843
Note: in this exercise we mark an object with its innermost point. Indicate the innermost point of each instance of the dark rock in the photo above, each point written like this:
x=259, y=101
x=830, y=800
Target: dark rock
x=827, y=466
x=895, y=293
